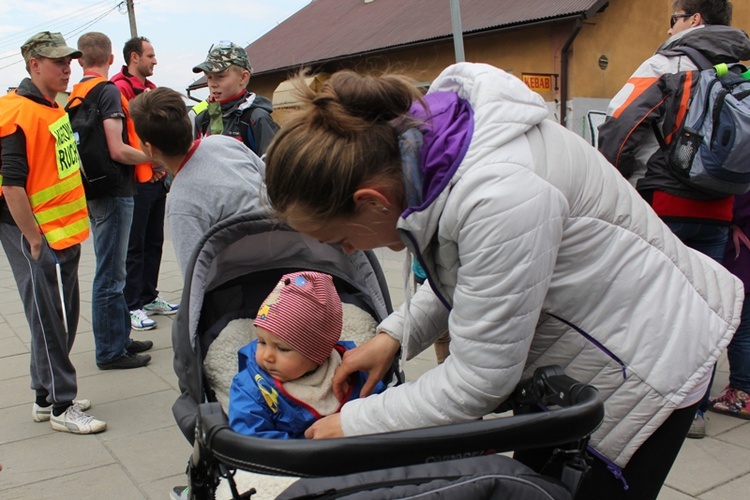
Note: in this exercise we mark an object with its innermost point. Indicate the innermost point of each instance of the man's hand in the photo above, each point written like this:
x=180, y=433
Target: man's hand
x=18, y=204
x=35, y=247
x=159, y=172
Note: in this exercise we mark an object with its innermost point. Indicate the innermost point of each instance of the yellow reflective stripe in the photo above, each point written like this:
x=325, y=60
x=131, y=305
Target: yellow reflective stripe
x=45, y=216
x=59, y=188
x=67, y=231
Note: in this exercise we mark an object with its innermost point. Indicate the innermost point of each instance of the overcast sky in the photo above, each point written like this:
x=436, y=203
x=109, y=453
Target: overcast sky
x=181, y=30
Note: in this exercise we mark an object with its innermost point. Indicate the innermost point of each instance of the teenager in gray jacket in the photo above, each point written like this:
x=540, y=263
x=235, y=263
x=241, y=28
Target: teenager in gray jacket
x=215, y=177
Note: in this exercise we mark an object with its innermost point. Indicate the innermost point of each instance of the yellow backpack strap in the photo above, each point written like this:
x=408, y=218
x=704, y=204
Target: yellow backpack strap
x=200, y=107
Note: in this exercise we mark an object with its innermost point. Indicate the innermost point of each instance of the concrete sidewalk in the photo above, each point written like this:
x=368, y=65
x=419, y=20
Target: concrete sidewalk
x=143, y=454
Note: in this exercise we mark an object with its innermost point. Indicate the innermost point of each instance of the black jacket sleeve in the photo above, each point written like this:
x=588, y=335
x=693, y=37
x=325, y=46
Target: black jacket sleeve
x=621, y=135
x=264, y=129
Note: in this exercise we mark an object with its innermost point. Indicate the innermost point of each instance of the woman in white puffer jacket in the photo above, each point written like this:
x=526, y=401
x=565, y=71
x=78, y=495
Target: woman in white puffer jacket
x=537, y=252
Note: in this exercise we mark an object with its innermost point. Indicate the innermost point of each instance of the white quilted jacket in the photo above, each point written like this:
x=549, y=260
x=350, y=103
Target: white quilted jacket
x=512, y=240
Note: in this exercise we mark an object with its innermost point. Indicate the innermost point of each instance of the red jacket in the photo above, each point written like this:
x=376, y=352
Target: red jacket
x=129, y=85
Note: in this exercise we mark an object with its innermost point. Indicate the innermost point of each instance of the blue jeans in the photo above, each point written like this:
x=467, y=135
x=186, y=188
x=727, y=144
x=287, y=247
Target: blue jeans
x=738, y=352
x=708, y=239
x=110, y=219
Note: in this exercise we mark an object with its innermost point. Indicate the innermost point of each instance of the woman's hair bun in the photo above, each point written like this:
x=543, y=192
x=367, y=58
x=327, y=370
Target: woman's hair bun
x=351, y=103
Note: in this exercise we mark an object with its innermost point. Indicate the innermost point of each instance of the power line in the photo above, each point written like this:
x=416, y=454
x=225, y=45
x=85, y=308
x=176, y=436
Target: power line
x=83, y=28
x=74, y=17
x=100, y=10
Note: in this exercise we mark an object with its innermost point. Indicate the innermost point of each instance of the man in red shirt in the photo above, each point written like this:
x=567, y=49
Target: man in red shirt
x=147, y=229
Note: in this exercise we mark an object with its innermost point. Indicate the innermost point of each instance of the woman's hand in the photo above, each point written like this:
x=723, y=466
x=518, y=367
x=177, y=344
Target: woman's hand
x=326, y=427
x=374, y=357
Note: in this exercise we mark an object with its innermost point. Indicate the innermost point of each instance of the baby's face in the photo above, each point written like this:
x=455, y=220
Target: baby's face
x=280, y=359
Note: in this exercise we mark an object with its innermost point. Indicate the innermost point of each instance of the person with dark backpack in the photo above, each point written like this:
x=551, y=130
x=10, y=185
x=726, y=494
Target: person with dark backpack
x=630, y=137
x=100, y=120
x=231, y=109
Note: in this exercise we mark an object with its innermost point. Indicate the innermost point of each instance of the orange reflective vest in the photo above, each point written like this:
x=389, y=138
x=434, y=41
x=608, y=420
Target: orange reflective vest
x=143, y=172
x=53, y=184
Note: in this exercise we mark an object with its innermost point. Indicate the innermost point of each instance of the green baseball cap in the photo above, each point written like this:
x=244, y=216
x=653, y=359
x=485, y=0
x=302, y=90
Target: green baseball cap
x=222, y=55
x=46, y=44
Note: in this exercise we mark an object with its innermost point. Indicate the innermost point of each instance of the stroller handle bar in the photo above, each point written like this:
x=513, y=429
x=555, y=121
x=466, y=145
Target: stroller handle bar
x=581, y=413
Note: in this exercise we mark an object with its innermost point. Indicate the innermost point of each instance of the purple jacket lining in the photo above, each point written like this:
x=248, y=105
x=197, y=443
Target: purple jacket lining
x=447, y=130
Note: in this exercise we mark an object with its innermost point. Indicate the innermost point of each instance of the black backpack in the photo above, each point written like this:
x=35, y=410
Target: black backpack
x=250, y=117
x=99, y=172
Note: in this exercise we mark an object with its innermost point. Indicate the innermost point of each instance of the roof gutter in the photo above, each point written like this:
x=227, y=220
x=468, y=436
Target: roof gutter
x=565, y=57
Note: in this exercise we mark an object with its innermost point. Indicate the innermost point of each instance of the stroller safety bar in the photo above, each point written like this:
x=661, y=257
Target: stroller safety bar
x=581, y=412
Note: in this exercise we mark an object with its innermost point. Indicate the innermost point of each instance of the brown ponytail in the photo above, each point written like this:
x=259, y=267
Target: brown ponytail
x=342, y=137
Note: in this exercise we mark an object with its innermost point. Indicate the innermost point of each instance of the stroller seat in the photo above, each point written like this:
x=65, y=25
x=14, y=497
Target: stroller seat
x=233, y=268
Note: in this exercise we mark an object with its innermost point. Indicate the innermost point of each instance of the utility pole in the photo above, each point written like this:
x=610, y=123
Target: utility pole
x=458, y=34
x=131, y=18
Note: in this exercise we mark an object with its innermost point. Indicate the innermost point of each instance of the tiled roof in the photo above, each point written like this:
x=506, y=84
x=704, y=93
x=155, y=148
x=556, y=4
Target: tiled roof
x=331, y=29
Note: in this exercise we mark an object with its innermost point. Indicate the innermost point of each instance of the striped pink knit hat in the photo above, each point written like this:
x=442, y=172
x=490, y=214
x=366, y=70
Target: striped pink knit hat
x=304, y=310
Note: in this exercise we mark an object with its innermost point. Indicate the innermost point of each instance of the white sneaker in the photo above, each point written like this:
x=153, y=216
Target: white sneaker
x=698, y=427
x=77, y=422
x=180, y=493
x=160, y=306
x=42, y=413
x=140, y=321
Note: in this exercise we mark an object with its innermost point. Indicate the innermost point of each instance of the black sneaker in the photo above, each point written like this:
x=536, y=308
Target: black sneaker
x=137, y=346
x=125, y=362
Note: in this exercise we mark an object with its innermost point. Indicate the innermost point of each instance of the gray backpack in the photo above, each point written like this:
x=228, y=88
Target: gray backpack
x=706, y=132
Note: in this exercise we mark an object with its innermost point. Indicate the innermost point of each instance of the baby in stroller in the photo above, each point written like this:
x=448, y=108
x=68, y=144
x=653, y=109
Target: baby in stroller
x=284, y=380
x=233, y=270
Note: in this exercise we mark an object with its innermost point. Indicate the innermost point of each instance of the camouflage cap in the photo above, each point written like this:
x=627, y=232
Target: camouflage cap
x=222, y=55
x=46, y=44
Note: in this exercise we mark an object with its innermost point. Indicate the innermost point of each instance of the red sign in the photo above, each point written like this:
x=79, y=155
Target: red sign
x=537, y=82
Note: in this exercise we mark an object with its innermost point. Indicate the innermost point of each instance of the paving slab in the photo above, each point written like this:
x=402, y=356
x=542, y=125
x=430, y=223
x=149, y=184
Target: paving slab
x=152, y=455
x=732, y=490
x=10, y=346
x=14, y=366
x=116, y=385
x=143, y=454
x=704, y=464
x=18, y=426
x=109, y=481
x=137, y=415
x=51, y=457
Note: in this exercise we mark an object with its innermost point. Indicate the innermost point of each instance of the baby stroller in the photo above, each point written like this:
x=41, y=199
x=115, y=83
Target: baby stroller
x=232, y=270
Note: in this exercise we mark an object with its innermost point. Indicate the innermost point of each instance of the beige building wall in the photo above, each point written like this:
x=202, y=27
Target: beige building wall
x=626, y=33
